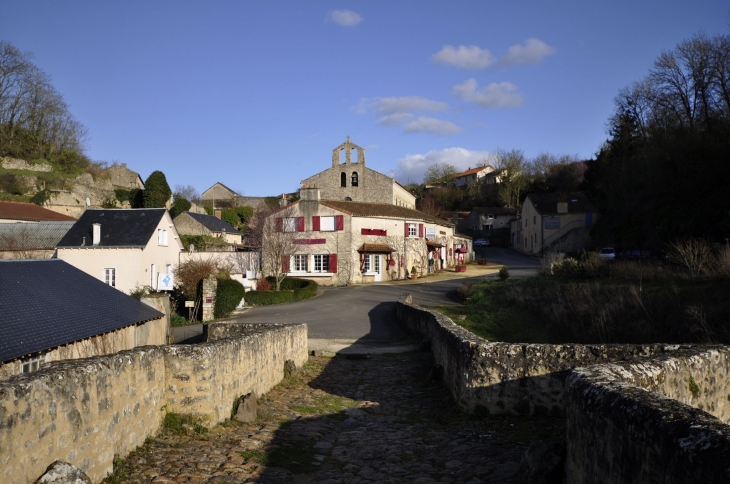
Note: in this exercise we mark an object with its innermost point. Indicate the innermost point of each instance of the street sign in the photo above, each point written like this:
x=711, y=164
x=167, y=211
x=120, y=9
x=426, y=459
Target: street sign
x=189, y=304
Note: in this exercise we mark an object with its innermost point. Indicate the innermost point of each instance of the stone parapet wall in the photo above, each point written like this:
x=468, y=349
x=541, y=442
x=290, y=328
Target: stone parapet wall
x=506, y=378
x=81, y=411
x=86, y=411
x=206, y=379
x=644, y=421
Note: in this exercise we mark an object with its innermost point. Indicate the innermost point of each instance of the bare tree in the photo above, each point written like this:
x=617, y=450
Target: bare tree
x=276, y=233
x=440, y=173
x=188, y=192
x=513, y=182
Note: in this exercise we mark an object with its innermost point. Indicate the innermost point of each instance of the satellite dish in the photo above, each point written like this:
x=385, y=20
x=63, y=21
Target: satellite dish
x=88, y=202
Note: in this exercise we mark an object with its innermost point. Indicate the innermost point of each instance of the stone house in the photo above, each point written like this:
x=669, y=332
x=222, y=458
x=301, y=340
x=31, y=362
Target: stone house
x=558, y=222
x=33, y=240
x=472, y=175
x=12, y=212
x=339, y=242
x=483, y=221
x=220, y=195
x=123, y=177
x=189, y=223
x=53, y=311
x=353, y=181
x=124, y=248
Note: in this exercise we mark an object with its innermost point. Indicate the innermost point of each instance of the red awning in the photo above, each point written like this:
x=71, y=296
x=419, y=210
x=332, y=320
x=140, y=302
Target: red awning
x=375, y=249
x=461, y=250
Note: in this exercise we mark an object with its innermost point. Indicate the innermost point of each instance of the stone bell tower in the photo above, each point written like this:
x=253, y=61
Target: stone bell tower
x=347, y=147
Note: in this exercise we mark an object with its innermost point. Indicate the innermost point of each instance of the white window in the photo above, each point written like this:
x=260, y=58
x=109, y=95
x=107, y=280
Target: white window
x=168, y=268
x=321, y=263
x=33, y=363
x=161, y=237
x=300, y=263
x=327, y=224
x=290, y=224
x=412, y=230
x=372, y=264
x=366, y=264
x=376, y=265
x=109, y=276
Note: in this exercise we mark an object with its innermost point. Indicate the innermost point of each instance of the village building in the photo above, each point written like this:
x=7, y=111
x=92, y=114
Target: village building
x=188, y=223
x=220, y=196
x=341, y=242
x=12, y=212
x=559, y=222
x=37, y=240
x=126, y=249
x=472, y=175
x=349, y=179
x=488, y=222
x=123, y=177
x=53, y=311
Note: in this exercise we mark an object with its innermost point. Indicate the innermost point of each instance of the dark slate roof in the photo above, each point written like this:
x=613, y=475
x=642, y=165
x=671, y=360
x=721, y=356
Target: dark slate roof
x=32, y=236
x=132, y=227
x=48, y=303
x=31, y=212
x=547, y=203
x=496, y=211
x=213, y=223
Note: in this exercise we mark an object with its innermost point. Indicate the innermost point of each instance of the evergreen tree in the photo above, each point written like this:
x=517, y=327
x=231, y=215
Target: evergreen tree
x=156, y=191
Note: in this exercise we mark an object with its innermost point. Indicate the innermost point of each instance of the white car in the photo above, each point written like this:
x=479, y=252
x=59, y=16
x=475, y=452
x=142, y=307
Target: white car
x=607, y=254
x=481, y=243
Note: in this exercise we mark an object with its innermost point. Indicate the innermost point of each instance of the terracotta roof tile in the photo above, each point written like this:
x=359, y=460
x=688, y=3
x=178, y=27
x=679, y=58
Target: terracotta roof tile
x=364, y=209
x=376, y=249
x=473, y=171
x=30, y=212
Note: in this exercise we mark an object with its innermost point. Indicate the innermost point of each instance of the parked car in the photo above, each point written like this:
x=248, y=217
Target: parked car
x=607, y=254
x=643, y=254
x=481, y=243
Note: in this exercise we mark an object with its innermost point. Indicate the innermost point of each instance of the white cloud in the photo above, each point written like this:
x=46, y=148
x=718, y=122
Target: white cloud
x=474, y=57
x=531, y=53
x=346, y=18
x=465, y=56
x=413, y=167
x=426, y=124
x=400, y=112
x=496, y=94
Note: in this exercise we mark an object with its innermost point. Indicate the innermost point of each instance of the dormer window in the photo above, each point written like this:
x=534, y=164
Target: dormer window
x=354, y=179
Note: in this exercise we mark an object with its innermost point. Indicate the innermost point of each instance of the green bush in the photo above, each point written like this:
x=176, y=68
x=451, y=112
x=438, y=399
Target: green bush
x=156, y=190
x=41, y=197
x=181, y=205
x=503, y=273
x=227, y=297
x=230, y=216
x=244, y=213
x=208, y=209
x=291, y=290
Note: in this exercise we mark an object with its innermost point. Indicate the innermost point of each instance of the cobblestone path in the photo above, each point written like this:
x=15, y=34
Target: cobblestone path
x=382, y=419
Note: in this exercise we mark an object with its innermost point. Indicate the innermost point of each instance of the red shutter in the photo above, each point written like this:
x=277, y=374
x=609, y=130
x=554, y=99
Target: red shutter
x=300, y=224
x=333, y=263
x=339, y=222
x=279, y=224
x=406, y=226
x=285, y=264
x=315, y=223
x=420, y=230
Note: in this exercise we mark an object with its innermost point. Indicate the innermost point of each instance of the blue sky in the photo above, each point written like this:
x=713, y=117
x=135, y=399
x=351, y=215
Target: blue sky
x=257, y=94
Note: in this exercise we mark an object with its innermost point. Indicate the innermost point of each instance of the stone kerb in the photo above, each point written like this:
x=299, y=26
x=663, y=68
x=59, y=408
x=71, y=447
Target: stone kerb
x=506, y=378
x=82, y=411
x=663, y=420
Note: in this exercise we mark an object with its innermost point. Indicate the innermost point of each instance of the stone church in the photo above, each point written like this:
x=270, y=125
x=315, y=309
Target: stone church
x=352, y=180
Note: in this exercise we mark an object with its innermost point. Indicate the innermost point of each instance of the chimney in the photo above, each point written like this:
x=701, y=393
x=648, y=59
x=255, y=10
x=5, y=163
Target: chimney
x=283, y=201
x=217, y=214
x=96, y=234
x=309, y=198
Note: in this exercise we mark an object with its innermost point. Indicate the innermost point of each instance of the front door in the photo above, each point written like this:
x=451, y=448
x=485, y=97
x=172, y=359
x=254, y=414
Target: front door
x=377, y=268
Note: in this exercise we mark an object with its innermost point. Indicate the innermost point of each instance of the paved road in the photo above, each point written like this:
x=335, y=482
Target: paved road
x=367, y=312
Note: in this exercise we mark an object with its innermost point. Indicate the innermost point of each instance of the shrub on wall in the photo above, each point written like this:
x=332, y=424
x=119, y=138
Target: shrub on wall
x=227, y=297
x=291, y=290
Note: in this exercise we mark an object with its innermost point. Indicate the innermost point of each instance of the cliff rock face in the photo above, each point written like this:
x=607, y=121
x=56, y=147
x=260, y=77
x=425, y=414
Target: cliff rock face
x=16, y=164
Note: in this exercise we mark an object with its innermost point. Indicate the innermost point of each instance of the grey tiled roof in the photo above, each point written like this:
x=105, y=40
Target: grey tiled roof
x=212, y=223
x=132, y=227
x=547, y=203
x=32, y=236
x=48, y=303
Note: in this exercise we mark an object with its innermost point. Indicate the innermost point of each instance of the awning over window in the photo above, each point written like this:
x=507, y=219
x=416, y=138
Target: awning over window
x=461, y=250
x=375, y=249
x=433, y=245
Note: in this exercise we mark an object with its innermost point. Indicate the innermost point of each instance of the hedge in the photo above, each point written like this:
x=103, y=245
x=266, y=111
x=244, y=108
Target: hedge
x=291, y=290
x=227, y=297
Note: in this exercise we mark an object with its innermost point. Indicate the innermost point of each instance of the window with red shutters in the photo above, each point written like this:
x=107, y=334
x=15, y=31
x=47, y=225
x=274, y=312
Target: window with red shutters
x=405, y=225
x=279, y=224
x=333, y=263
x=339, y=222
x=300, y=224
x=315, y=223
x=285, y=264
x=420, y=230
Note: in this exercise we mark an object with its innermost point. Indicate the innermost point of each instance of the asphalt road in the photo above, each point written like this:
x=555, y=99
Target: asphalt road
x=367, y=312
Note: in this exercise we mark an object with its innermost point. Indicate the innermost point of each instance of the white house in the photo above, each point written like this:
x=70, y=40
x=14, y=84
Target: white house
x=472, y=175
x=338, y=242
x=124, y=248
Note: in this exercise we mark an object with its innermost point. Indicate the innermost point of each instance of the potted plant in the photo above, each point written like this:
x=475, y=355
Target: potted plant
x=413, y=273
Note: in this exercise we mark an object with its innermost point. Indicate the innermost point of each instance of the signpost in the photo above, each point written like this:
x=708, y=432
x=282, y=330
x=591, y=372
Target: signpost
x=190, y=305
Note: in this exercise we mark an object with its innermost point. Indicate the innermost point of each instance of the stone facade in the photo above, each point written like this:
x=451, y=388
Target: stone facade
x=123, y=177
x=352, y=180
x=86, y=411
